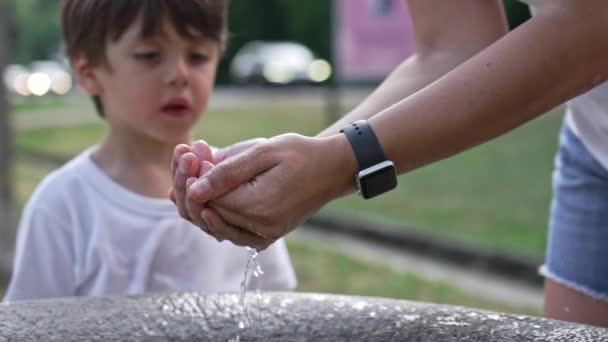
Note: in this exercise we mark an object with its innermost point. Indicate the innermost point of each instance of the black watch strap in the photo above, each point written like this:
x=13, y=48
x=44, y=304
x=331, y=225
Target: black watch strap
x=365, y=144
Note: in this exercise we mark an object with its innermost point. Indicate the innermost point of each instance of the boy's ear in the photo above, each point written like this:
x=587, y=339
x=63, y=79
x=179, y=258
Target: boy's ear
x=85, y=75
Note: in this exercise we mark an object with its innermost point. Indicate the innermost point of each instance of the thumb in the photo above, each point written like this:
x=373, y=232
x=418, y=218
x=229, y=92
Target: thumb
x=232, y=172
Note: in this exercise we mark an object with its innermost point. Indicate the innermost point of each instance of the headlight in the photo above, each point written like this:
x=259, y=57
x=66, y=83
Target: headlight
x=20, y=84
x=61, y=82
x=319, y=70
x=39, y=83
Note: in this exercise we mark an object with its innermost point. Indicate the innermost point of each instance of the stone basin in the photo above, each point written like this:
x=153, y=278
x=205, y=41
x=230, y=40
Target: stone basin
x=276, y=316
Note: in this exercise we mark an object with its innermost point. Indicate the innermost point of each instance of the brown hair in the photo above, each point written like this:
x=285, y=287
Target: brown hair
x=89, y=24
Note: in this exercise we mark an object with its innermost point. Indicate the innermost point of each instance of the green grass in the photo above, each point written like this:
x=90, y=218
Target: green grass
x=61, y=142
x=323, y=270
x=496, y=195
x=28, y=176
x=31, y=103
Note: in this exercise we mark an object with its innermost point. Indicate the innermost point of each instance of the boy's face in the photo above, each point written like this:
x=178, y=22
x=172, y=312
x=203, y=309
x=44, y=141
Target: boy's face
x=154, y=88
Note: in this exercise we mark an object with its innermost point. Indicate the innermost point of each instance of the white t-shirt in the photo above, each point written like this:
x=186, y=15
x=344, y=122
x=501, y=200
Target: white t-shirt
x=587, y=114
x=82, y=234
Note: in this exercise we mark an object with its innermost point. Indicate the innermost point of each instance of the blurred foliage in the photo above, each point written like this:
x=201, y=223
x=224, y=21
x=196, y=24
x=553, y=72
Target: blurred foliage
x=36, y=33
x=34, y=30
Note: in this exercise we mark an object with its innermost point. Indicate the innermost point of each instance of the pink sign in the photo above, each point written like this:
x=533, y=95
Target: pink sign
x=371, y=37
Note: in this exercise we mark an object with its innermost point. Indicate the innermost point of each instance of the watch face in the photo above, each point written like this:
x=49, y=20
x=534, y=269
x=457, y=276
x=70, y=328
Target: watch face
x=377, y=179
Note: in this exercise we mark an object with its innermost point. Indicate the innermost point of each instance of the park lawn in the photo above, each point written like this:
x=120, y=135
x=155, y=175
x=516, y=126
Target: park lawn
x=496, y=195
x=322, y=270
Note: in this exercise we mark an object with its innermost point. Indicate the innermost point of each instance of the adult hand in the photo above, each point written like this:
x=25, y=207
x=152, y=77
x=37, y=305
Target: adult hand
x=187, y=165
x=191, y=167
x=266, y=190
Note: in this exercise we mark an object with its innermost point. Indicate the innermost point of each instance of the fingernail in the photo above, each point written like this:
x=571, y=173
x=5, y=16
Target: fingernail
x=202, y=187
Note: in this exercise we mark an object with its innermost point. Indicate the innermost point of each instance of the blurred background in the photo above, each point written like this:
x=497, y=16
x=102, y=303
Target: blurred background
x=295, y=66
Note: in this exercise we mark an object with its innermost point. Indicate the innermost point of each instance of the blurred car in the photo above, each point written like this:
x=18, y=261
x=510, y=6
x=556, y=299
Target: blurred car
x=278, y=63
x=43, y=77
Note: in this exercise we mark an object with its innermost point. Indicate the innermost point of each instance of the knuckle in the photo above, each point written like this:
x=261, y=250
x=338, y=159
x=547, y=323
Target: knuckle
x=224, y=175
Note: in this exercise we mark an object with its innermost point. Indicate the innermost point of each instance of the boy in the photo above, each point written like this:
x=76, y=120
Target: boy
x=102, y=224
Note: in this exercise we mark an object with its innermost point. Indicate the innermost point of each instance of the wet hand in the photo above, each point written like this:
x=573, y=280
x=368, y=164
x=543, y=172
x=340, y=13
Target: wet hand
x=261, y=193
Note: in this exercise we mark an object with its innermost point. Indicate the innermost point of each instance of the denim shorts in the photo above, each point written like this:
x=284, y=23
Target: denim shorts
x=577, y=250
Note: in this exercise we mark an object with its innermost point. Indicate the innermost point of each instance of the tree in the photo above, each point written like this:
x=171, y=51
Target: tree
x=7, y=199
x=36, y=34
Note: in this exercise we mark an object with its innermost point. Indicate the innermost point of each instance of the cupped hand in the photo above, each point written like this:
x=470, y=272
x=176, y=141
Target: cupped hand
x=264, y=191
x=188, y=164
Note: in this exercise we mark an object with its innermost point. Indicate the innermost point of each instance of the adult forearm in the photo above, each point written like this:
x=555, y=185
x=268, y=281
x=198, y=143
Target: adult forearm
x=553, y=57
x=446, y=35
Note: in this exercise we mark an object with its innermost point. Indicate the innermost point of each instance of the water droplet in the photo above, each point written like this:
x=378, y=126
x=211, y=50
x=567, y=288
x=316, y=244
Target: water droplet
x=360, y=305
x=252, y=268
x=410, y=318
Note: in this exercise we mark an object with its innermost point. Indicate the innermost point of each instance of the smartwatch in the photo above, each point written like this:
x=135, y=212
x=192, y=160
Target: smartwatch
x=375, y=174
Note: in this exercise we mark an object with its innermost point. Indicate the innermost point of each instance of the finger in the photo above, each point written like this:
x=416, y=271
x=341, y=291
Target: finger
x=188, y=167
x=203, y=151
x=235, y=149
x=196, y=219
x=194, y=208
x=171, y=195
x=237, y=219
x=233, y=172
x=178, y=152
x=236, y=235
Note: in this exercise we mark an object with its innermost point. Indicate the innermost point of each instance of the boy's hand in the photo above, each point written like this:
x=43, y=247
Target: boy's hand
x=187, y=165
x=203, y=152
x=194, y=211
x=265, y=191
x=181, y=170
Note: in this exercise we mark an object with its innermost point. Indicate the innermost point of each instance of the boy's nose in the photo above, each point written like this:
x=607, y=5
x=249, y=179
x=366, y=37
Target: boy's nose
x=179, y=73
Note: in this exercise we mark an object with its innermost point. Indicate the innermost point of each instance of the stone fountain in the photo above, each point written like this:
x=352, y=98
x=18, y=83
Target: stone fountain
x=275, y=317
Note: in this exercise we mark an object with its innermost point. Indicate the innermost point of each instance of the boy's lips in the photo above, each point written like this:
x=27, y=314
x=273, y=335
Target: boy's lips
x=177, y=107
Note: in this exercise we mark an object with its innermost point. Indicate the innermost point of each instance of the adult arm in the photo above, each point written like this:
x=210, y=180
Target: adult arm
x=560, y=53
x=445, y=36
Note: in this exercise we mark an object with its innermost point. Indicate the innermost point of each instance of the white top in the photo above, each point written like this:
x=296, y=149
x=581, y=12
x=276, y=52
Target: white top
x=587, y=114
x=82, y=234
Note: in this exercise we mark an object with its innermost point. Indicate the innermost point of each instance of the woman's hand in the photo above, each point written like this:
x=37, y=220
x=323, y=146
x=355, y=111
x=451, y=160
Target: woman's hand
x=259, y=192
